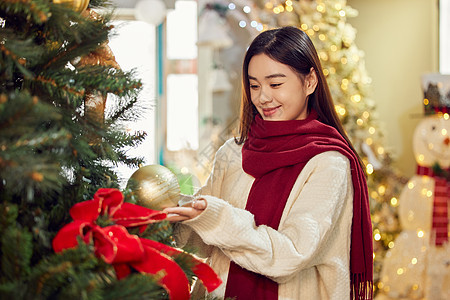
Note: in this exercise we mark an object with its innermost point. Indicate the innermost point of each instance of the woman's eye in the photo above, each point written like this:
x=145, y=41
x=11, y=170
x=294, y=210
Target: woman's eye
x=253, y=86
x=275, y=84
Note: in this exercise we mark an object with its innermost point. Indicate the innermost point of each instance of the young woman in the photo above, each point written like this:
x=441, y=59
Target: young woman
x=285, y=212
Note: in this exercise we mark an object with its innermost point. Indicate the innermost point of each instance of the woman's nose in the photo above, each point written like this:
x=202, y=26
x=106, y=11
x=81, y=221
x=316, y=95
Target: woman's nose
x=265, y=97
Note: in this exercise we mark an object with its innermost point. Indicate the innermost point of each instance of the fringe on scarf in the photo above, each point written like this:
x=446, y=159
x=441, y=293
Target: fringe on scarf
x=361, y=288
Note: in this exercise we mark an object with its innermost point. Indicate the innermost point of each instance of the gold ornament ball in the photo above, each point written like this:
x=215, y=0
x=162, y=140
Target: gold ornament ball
x=155, y=186
x=76, y=5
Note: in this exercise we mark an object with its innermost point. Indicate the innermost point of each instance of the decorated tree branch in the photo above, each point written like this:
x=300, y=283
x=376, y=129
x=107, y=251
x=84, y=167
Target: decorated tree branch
x=66, y=231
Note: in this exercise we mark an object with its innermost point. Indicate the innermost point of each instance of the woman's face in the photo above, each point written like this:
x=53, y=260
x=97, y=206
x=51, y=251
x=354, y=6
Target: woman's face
x=277, y=91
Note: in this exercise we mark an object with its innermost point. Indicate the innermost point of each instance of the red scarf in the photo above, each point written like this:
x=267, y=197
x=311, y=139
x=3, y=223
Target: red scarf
x=439, y=225
x=275, y=154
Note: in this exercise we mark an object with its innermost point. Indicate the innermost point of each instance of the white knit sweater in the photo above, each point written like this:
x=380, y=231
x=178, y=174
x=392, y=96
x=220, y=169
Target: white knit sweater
x=309, y=254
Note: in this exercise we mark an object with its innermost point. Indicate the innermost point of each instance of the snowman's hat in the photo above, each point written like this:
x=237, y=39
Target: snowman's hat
x=436, y=92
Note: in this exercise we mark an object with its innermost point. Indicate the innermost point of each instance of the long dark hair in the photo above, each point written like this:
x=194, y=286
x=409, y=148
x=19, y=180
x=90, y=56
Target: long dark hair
x=292, y=47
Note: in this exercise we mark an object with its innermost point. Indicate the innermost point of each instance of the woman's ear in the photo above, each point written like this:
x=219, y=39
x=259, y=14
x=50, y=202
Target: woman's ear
x=311, y=82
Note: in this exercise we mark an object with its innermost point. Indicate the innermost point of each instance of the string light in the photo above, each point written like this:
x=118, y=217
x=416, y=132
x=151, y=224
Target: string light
x=446, y=116
x=369, y=169
x=394, y=202
x=342, y=13
x=269, y=5
x=380, y=150
x=304, y=26
x=247, y=9
x=333, y=48
x=420, y=233
x=231, y=6
x=421, y=157
x=426, y=101
x=242, y=24
x=322, y=37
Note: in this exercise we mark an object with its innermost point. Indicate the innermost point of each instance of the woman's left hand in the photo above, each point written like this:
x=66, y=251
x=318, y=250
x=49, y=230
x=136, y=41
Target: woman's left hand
x=177, y=214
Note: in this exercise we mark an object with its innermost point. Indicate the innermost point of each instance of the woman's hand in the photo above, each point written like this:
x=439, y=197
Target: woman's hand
x=183, y=213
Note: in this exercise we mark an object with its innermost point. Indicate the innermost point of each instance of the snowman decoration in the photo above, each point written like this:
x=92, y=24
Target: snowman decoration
x=418, y=265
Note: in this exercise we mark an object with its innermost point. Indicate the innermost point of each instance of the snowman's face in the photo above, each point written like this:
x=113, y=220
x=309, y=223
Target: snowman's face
x=431, y=141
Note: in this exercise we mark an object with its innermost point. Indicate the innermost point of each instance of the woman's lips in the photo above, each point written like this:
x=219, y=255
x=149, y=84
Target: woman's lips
x=269, y=111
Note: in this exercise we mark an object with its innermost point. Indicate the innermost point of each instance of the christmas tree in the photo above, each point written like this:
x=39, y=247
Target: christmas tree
x=60, y=148
x=325, y=22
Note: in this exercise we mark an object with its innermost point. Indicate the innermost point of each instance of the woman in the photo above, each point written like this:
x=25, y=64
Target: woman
x=284, y=213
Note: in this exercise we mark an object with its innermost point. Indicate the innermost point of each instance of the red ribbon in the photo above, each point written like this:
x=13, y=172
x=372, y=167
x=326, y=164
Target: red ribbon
x=440, y=204
x=124, y=251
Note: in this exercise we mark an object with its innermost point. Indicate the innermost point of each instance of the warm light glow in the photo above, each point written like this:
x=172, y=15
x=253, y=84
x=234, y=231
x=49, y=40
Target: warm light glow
x=372, y=130
x=446, y=116
x=322, y=37
x=400, y=271
x=304, y=26
x=394, y=201
x=377, y=237
x=421, y=157
x=420, y=233
x=429, y=193
x=424, y=191
x=332, y=70
x=338, y=6
x=369, y=141
x=410, y=185
x=269, y=5
x=289, y=8
x=288, y=2
x=356, y=97
x=344, y=60
x=320, y=8
x=366, y=114
x=369, y=169
x=333, y=48
x=276, y=10
x=310, y=32
x=381, y=189
x=326, y=72
x=380, y=150
x=359, y=122
x=342, y=13
x=444, y=131
x=391, y=245
x=316, y=27
x=426, y=101
x=323, y=55
x=414, y=261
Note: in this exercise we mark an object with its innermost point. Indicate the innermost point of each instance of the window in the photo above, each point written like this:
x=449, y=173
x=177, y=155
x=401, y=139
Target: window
x=134, y=48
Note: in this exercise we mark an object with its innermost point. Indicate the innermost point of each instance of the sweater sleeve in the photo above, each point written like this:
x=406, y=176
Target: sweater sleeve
x=184, y=235
x=320, y=193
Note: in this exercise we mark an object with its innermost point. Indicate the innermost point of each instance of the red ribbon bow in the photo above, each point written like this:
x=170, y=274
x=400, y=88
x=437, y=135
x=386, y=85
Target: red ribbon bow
x=124, y=251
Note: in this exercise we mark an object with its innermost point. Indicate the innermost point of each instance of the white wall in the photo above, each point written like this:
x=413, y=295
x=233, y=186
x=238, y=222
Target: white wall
x=400, y=40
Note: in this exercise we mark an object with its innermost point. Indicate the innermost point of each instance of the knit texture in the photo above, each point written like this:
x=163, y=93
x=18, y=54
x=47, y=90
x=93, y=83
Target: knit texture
x=307, y=256
x=275, y=153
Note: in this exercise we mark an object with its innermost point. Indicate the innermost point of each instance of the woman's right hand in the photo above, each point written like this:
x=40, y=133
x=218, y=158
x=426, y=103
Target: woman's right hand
x=183, y=213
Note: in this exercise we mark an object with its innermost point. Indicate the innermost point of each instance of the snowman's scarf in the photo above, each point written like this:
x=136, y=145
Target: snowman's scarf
x=440, y=204
x=275, y=154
